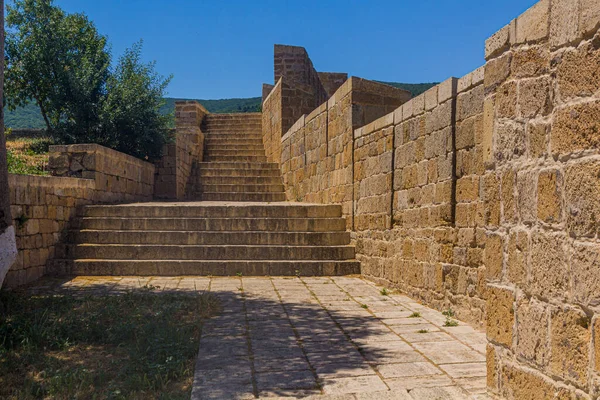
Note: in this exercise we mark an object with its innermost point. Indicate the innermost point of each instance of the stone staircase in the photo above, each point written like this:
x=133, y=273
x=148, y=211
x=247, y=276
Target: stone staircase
x=235, y=167
x=239, y=225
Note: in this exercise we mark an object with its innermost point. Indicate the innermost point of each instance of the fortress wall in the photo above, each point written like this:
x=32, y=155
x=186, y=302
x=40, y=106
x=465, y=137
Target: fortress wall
x=174, y=169
x=332, y=81
x=317, y=151
x=405, y=199
x=272, y=121
x=541, y=195
x=41, y=207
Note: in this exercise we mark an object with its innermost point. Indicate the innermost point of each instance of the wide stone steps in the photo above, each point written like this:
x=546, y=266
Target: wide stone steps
x=240, y=180
x=218, y=142
x=240, y=165
x=233, y=147
x=235, y=153
x=231, y=158
x=208, y=238
x=214, y=224
x=230, y=136
x=242, y=188
x=219, y=172
x=215, y=210
x=205, y=252
x=262, y=197
x=205, y=267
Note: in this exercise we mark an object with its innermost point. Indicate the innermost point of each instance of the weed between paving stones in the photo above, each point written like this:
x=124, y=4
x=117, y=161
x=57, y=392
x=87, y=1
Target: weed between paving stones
x=139, y=345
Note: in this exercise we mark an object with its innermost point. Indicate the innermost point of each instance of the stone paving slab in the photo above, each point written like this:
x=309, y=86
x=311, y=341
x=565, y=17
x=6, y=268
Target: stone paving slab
x=318, y=338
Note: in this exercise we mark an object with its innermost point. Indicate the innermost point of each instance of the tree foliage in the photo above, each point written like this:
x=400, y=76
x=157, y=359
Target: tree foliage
x=61, y=62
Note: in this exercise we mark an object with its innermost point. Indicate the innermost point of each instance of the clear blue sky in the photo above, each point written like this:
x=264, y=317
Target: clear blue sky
x=224, y=48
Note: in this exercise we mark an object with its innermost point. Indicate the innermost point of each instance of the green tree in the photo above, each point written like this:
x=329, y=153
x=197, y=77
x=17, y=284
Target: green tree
x=131, y=110
x=61, y=62
x=58, y=60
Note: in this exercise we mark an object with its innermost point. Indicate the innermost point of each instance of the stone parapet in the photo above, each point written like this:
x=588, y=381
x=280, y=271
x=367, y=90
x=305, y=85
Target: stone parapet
x=118, y=177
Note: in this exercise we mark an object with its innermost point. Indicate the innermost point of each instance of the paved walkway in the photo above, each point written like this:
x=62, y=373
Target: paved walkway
x=325, y=337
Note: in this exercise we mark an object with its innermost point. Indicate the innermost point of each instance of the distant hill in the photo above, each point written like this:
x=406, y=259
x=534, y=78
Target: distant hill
x=30, y=117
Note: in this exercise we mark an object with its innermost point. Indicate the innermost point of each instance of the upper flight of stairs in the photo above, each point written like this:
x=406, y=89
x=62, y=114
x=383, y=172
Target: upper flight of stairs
x=236, y=223
x=235, y=167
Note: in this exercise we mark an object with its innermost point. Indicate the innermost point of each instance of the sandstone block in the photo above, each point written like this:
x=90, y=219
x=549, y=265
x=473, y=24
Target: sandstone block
x=537, y=134
x=530, y=62
x=527, y=384
x=506, y=100
x=500, y=315
x=570, y=344
x=549, y=275
x=494, y=257
x=498, y=42
x=491, y=199
x=578, y=71
x=467, y=189
x=597, y=344
x=518, y=250
x=532, y=331
x=508, y=197
x=491, y=368
x=585, y=274
x=589, y=19
x=535, y=97
x=496, y=72
x=549, y=192
x=564, y=18
x=576, y=128
x=582, y=198
x=526, y=196
x=510, y=141
x=532, y=25
x=489, y=117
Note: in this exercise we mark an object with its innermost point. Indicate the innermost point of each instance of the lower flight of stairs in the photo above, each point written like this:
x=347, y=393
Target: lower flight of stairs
x=237, y=222
x=219, y=239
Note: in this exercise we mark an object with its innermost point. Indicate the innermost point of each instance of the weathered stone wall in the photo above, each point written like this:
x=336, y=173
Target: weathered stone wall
x=118, y=177
x=406, y=195
x=317, y=151
x=42, y=207
x=332, y=81
x=272, y=121
x=174, y=169
x=541, y=194
x=294, y=64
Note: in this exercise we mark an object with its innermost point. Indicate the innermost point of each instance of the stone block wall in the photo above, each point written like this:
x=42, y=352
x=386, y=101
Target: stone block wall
x=317, y=152
x=42, y=207
x=174, y=169
x=406, y=194
x=541, y=202
x=118, y=177
x=332, y=81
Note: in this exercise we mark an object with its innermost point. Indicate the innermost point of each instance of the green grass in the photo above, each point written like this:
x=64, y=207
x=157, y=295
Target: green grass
x=140, y=345
x=383, y=292
x=415, y=315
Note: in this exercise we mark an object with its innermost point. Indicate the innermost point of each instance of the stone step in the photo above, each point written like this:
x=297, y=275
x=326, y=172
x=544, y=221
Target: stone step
x=225, y=146
x=232, y=136
x=242, y=188
x=239, y=165
x=209, y=238
x=214, y=224
x=235, y=153
x=203, y=252
x=248, y=159
x=206, y=210
x=219, y=172
x=217, y=141
x=204, y=268
x=239, y=180
x=232, y=130
x=244, y=197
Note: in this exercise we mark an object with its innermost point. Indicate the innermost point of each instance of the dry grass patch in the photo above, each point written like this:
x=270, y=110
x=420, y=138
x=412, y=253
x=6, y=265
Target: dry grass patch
x=140, y=345
x=28, y=155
